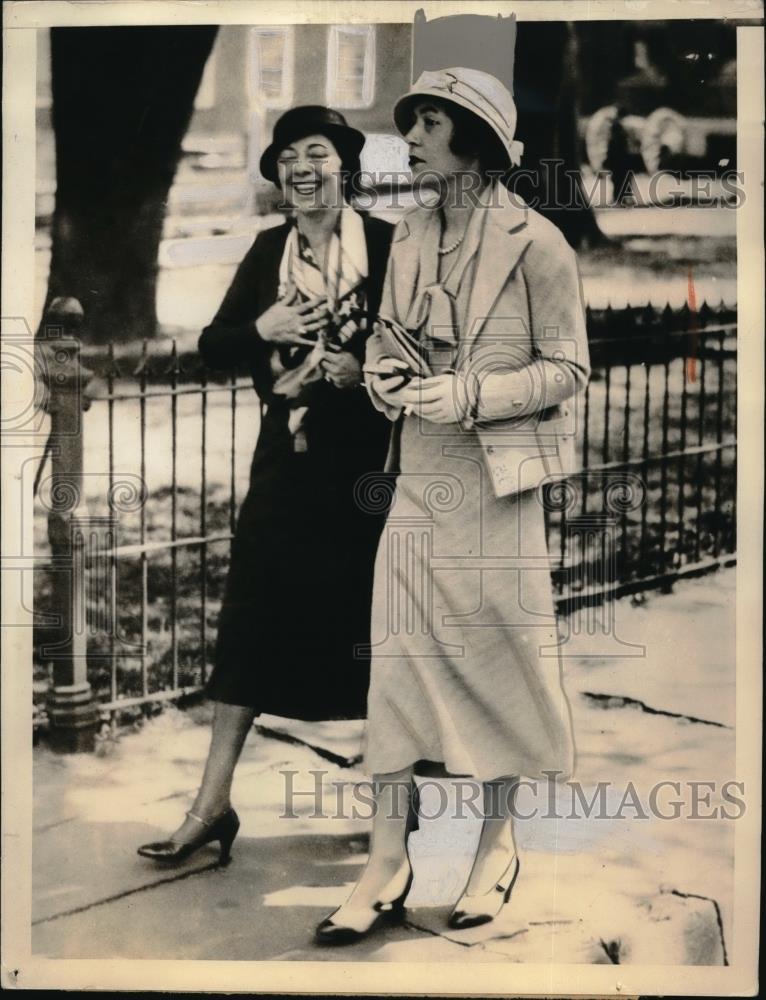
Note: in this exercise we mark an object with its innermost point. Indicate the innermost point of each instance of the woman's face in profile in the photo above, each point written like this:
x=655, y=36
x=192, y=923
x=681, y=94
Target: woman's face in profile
x=310, y=174
x=429, y=140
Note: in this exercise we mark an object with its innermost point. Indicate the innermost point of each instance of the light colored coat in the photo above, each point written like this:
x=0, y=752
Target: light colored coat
x=525, y=320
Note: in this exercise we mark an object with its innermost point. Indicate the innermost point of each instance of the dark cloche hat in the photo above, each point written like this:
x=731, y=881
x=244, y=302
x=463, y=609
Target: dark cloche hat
x=310, y=119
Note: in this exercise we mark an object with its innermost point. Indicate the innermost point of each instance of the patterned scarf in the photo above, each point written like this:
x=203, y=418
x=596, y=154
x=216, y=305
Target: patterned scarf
x=296, y=368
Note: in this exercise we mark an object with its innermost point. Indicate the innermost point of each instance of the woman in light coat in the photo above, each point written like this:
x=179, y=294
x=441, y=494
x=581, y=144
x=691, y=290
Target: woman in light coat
x=478, y=356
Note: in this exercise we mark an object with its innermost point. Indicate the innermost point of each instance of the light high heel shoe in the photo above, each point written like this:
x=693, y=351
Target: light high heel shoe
x=475, y=909
x=223, y=828
x=359, y=923
x=389, y=909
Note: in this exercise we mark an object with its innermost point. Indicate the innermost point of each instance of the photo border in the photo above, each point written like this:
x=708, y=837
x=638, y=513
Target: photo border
x=23, y=970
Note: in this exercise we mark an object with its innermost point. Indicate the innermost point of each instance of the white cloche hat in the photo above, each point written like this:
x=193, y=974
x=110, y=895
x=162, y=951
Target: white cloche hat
x=481, y=93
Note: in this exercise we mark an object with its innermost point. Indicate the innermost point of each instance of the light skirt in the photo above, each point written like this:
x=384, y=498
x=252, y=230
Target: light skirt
x=465, y=667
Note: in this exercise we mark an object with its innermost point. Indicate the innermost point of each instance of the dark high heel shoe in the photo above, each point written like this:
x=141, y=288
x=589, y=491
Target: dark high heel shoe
x=480, y=908
x=223, y=828
x=381, y=912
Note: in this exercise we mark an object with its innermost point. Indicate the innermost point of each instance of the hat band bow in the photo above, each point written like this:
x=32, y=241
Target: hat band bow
x=438, y=81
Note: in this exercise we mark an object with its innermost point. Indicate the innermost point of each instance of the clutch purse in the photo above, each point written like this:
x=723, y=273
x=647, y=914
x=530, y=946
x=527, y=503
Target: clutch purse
x=397, y=342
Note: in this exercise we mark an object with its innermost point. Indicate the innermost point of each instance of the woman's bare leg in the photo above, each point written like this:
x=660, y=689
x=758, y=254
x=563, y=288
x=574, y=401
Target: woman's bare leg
x=231, y=724
x=496, y=844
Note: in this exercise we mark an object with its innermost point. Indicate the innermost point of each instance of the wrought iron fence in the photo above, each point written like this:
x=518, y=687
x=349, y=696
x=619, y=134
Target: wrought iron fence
x=167, y=447
x=658, y=458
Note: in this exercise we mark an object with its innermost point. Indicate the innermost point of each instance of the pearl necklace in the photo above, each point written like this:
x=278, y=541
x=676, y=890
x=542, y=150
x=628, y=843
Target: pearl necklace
x=453, y=246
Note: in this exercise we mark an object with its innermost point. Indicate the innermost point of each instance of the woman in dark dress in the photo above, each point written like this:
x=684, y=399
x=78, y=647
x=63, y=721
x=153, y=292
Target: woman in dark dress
x=297, y=604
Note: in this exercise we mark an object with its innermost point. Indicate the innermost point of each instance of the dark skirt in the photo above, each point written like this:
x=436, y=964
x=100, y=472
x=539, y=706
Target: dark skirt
x=297, y=603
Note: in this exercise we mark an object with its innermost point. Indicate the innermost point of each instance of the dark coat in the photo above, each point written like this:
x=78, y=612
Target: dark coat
x=298, y=592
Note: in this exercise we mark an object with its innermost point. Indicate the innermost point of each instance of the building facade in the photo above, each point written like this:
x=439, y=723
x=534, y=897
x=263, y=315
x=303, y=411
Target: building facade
x=256, y=72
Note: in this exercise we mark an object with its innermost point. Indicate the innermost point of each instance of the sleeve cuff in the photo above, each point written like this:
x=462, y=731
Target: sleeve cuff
x=499, y=396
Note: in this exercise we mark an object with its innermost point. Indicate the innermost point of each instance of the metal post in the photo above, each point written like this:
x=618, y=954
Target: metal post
x=72, y=712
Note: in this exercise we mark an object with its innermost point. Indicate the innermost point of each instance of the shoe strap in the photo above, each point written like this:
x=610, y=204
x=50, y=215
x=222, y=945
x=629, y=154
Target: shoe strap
x=500, y=886
x=514, y=864
x=199, y=819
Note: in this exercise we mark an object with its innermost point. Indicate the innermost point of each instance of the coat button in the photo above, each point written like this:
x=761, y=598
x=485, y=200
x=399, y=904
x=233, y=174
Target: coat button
x=490, y=450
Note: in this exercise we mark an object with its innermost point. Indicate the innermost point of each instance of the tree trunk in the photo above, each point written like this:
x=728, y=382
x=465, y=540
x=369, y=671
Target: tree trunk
x=122, y=101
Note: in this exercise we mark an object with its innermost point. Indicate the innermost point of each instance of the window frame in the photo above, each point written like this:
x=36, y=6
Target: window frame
x=368, y=77
x=255, y=94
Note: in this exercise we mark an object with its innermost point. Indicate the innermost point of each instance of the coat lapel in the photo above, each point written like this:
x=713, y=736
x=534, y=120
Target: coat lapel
x=403, y=266
x=505, y=236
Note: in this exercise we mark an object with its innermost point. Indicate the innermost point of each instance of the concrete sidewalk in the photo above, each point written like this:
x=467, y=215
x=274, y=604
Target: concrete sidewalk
x=616, y=889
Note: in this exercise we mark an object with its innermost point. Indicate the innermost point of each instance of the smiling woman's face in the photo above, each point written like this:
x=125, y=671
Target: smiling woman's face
x=310, y=174
x=429, y=143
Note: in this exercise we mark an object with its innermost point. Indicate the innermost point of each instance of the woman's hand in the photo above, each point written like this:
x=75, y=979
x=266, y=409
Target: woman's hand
x=385, y=383
x=442, y=399
x=288, y=322
x=341, y=368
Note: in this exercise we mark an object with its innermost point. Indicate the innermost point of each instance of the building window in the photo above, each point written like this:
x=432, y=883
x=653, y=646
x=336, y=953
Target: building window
x=205, y=98
x=351, y=66
x=271, y=66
